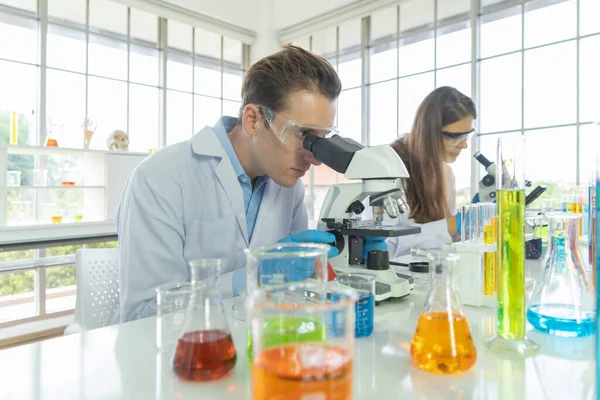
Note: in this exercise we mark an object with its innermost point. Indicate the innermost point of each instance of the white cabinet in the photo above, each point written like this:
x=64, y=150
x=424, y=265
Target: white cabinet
x=50, y=187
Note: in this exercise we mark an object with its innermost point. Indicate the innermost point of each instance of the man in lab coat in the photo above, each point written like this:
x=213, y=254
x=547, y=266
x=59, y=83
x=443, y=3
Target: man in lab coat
x=232, y=186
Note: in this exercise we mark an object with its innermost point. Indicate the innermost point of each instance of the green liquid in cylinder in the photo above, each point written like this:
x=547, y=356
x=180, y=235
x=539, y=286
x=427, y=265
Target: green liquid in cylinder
x=283, y=330
x=511, y=264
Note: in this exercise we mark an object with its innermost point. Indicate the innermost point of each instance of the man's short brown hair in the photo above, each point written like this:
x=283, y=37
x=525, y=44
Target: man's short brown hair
x=270, y=80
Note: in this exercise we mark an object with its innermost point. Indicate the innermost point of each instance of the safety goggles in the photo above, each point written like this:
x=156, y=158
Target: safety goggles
x=455, y=138
x=292, y=132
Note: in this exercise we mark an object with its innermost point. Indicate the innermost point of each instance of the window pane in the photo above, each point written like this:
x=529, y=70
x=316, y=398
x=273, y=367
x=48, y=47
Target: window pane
x=383, y=109
x=457, y=77
x=144, y=26
x=500, y=99
x=17, y=295
x=207, y=80
x=487, y=5
x=207, y=44
x=107, y=105
x=384, y=23
x=416, y=14
x=143, y=117
x=350, y=70
x=384, y=62
x=72, y=10
x=207, y=112
x=550, y=85
x=349, y=32
x=143, y=62
x=232, y=51
x=179, y=73
x=232, y=85
x=180, y=36
x=416, y=54
x=179, y=116
x=60, y=288
x=108, y=16
x=453, y=45
x=66, y=48
x=231, y=108
x=452, y=8
x=18, y=94
x=544, y=148
x=501, y=32
x=303, y=42
x=589, y=79
x=413, y=91
x=589, y=12
x=324, y=42
x=107, y=57
x=349, y=114
x=488, y=146
x=589, y=147
x=549, y=23
x=23, y=43
x=65, y=102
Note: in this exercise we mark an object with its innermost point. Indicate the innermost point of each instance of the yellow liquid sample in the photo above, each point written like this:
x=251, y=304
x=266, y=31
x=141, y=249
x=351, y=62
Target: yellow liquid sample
x=510, y=262
x=442, y=344
x=489, y=259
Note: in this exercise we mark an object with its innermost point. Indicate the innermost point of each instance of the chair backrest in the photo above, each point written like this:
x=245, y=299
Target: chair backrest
x=97, y=297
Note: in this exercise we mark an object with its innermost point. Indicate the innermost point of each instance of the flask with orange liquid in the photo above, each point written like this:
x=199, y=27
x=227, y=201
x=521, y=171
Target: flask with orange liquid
x=442, y=342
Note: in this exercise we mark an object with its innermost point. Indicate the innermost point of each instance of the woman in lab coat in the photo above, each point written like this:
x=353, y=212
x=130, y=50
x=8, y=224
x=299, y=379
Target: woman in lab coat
x=441, y=130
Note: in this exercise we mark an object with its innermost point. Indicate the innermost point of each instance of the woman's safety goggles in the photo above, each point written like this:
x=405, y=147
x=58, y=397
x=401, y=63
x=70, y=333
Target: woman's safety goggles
x=456, y=138
x=291, y=132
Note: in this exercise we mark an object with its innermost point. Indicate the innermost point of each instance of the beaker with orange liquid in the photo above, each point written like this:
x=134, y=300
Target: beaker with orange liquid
x=205, y=349
x=442, y=342
x=295, y=368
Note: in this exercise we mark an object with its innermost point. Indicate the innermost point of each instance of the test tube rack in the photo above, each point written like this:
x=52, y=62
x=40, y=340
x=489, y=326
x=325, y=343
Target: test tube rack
x=470, y=273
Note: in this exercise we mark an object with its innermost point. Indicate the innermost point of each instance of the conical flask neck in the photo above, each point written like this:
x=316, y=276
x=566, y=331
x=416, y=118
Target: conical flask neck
x=442, y=295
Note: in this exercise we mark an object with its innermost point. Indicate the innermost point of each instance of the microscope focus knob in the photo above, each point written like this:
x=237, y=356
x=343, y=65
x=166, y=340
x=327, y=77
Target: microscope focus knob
x=357, y=207
x=378, y=260
x=488, y=180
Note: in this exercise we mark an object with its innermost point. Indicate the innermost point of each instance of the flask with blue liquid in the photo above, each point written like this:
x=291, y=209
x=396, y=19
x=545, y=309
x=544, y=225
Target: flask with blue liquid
x=562, y=303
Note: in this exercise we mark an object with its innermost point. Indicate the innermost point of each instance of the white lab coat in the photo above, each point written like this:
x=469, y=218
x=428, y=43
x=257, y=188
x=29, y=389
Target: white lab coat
x=427, y=239
x=185, y=202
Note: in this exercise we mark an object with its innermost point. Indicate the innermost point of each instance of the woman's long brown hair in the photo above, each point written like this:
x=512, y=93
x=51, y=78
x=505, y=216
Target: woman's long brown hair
x=422, y=151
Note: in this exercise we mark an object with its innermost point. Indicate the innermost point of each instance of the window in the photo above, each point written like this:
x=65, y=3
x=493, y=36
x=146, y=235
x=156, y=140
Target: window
x=526, y=85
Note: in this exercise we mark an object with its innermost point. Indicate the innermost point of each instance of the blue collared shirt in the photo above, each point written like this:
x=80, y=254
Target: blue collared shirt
x=252, y=197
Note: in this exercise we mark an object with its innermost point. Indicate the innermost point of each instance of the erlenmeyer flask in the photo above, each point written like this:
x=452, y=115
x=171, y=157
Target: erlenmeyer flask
x=562, y=303
x=442, y=342
x=205, y=350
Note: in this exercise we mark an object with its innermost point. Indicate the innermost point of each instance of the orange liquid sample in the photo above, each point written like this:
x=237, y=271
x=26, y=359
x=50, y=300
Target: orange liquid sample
x=68, y=183
x=51, y=143
x=278, y=373
x=56, y=219
x=204, y=355
x=443, y=344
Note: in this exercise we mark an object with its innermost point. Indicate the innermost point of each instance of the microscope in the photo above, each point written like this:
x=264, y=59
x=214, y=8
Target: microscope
x=378, y=171
x=487, y=184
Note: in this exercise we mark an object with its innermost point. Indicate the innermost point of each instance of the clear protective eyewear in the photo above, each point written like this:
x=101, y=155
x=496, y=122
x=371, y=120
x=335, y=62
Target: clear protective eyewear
x=456, y=138
x=292, y=132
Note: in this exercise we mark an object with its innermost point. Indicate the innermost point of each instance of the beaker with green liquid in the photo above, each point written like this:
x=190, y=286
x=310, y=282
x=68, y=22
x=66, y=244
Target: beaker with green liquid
x=285, y=263
x=510, y=254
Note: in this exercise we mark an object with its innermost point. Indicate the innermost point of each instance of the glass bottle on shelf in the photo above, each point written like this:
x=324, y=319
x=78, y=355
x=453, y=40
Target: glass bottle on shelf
x=442, y=342
x=205, y=349
x=51, y=135
x=562, y=303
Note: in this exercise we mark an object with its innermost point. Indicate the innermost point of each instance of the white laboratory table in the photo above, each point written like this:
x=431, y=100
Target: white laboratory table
x=122, y=362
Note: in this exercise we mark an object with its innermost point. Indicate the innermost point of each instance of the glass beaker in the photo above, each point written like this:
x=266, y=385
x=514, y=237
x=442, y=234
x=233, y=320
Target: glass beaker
x=442, y=342
x=205, y=349
x=172, y=299
x=285, y=263
x=510, y=254
x=562, y=303
x=364, y=285
x=284, y=365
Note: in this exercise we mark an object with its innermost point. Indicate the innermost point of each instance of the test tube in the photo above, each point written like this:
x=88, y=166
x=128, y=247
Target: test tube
x=474, y=222
x=465, y=223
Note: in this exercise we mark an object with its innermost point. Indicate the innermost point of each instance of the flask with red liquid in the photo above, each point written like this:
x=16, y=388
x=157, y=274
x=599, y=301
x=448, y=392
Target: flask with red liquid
x=205, y=350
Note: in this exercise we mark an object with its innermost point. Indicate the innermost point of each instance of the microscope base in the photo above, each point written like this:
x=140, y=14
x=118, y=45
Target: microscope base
x=387, y=283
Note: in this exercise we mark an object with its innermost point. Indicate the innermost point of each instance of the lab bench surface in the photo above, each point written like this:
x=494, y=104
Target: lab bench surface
x=122, y=362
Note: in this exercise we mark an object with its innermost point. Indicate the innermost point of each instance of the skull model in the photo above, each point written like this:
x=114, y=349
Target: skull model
x=118, y=140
